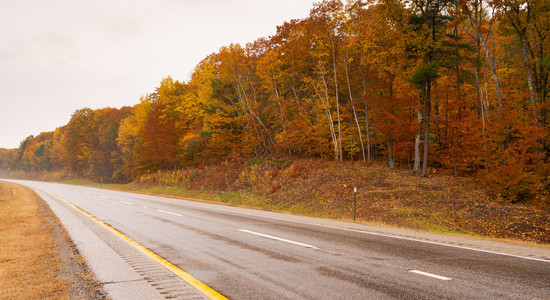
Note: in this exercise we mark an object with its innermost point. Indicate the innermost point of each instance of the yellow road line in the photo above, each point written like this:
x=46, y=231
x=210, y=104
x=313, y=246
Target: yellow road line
x=203, y=288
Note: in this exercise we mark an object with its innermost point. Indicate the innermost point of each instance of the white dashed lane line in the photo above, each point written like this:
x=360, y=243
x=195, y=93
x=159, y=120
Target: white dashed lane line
x=430, y=275
x=278, y=239
x=288, y=241
x=388, y=235
x=168, y=212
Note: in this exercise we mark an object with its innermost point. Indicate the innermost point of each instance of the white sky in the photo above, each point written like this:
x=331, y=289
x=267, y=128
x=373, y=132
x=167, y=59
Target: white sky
x=57, y=56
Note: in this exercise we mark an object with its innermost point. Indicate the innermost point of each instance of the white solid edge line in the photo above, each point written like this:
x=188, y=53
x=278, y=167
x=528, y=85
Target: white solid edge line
x=392, y=236
x=374, y=233
x=168, y=212
x=439, y=244
x=430, y=275
x=126, y=202
x=278, y=239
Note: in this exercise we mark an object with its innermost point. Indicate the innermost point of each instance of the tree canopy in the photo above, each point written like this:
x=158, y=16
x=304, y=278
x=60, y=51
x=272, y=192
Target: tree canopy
x=458, y=86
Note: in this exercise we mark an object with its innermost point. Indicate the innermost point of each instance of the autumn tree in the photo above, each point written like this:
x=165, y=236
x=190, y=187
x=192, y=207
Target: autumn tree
x=456, y=85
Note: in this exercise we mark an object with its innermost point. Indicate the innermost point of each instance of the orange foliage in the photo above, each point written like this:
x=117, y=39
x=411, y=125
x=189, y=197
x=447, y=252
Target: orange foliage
x=348, y=82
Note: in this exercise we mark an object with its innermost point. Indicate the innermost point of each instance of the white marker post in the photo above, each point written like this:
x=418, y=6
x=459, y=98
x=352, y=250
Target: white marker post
x=354, y=203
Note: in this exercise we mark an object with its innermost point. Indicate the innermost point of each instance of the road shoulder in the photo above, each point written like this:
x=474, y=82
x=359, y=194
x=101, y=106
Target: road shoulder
x=38, y=259
x=73, y=267
x=125, y=272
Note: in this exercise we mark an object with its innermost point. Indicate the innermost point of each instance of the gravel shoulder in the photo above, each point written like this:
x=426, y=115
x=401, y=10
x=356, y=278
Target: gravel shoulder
x=38, y=259
x=73, y=267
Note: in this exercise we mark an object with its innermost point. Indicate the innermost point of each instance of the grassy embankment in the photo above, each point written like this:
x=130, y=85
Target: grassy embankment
x=28, y=262
x=323, y=189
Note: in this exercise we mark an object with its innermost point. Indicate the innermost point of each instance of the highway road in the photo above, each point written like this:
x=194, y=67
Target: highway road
x=253, y=254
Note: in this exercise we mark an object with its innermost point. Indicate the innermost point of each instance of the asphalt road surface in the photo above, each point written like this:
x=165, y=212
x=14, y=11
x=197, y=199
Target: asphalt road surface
x=253, y=254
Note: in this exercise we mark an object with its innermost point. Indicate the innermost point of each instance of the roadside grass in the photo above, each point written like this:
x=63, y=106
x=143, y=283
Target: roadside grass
x=240, y=198
x=395, y=198
x=28, y=263
x=235, y=198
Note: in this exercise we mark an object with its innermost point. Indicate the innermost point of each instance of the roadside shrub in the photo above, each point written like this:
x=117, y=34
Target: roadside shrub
x=510, y=183
x=255, y=161
x=192, y=175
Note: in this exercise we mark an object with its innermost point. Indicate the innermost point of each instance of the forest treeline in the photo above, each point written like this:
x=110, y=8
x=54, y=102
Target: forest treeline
x=453, y=86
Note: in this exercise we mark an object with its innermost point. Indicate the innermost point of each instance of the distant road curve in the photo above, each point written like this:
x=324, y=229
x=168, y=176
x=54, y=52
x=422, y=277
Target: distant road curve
x=252, y=254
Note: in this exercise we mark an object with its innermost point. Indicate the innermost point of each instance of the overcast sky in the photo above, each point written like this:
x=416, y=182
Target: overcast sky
x=57, y=56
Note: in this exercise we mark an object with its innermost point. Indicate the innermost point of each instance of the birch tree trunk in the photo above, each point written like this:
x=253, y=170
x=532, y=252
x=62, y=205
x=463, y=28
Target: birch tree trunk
x=329, y=116
x=486, y=81
x=532, y=94
x=483, y=109
x=492, y=69
x=475, y=22
x=368, y=131
x=417, y=140
x=354, y=110
x=427, y=106
x=514, y=12
x=367, y=125
x=340, y=158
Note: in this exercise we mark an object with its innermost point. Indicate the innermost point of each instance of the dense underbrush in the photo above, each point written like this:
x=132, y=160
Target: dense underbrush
x=319, y=188
x=393, y=197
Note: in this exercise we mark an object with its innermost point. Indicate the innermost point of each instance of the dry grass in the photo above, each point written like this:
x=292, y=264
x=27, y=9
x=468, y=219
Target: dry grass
x=28, y=263
x=398, y=198
x=319, y=188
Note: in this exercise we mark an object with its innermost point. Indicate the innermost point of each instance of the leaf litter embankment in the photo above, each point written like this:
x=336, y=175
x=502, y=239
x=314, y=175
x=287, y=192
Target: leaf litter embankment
x=392, y=197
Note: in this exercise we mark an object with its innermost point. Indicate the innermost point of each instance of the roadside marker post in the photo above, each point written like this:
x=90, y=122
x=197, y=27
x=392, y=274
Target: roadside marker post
x=354, y=203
